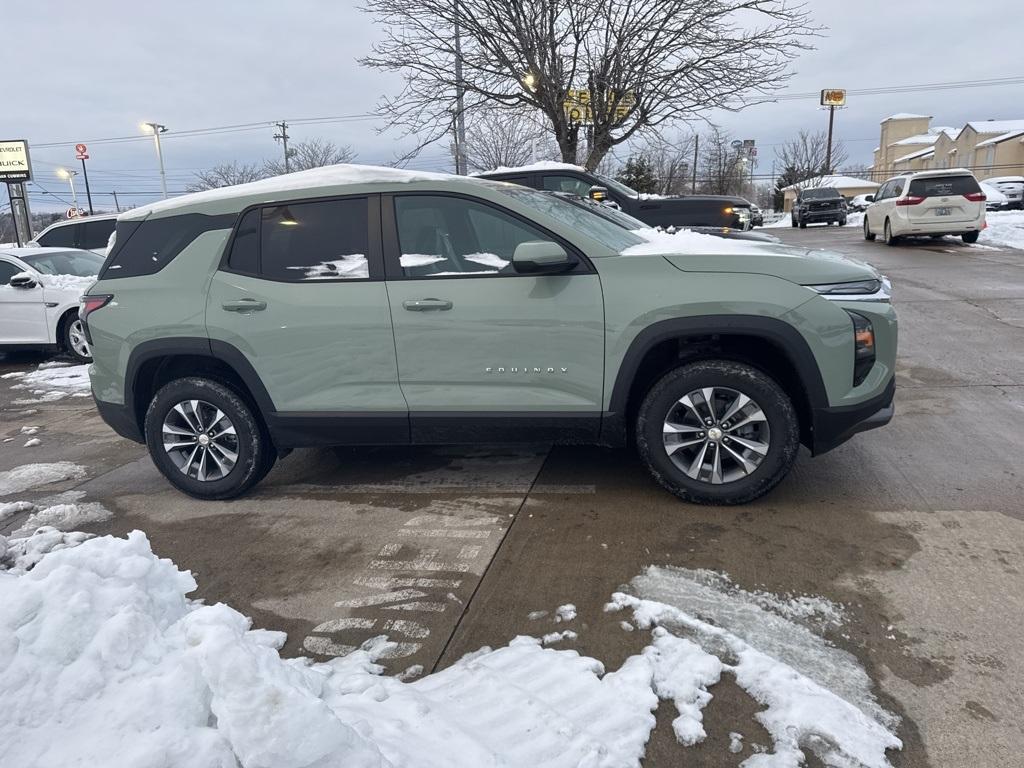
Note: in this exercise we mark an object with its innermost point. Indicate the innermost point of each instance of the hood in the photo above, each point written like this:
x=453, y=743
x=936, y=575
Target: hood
x=798, y=265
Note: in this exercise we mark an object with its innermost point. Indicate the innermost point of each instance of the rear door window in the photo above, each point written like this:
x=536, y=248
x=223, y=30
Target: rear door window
x=944, y=186
x=94, y=235
x=60, y=237
x=322, y=240
x=244, y=255
x=151, y=245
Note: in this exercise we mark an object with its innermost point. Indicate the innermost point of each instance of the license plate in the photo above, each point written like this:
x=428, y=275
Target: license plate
x=943, y=211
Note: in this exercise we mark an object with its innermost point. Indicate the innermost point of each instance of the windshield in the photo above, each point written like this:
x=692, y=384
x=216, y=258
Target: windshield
x=75, y=263
x=618, y=186
x=821, y=193
x=581, y=217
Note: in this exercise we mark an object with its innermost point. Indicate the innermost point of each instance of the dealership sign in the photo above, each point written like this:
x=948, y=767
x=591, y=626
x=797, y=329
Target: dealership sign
x=833, y=97
x=14, y=161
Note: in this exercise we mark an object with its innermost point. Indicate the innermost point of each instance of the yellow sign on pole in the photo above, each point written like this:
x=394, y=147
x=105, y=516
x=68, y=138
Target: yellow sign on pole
x=833, y=97
x=578, y=108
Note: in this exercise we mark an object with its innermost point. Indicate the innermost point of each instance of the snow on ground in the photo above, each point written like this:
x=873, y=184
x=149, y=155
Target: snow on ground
x=785, y=221
x=29, y=476
x=64, y=517
x=103, y=654
x=51, y=382
x=1005, y=228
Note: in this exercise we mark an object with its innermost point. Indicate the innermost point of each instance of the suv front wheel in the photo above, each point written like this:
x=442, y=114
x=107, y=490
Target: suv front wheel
x=717, y=432
x=206, y=440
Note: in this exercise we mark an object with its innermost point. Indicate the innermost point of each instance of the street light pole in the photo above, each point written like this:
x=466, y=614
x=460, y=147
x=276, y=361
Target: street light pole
x=157, y=129
x=68, y=174
x=88, y=194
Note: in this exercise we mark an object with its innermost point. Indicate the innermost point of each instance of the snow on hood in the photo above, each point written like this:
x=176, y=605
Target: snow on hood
x=67, y=282
x=329, y=175
x=686, y=241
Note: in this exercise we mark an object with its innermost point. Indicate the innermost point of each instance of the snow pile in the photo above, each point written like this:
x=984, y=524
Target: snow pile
x=686, y=241
x=102, y=653
x=51, y=382
x=1005, y=228
x=65, y=517
x=30, y=476
x=67, y=282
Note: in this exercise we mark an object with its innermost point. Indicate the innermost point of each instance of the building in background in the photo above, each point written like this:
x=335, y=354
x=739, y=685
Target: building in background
x=909, y=143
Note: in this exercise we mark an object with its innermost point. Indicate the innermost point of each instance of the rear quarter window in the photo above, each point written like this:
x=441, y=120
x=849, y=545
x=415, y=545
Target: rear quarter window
x=144, y=248
x=944, y=186
x=95, y=234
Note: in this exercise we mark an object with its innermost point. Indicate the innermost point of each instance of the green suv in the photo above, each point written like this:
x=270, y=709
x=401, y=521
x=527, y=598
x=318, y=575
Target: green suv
x=355, y=305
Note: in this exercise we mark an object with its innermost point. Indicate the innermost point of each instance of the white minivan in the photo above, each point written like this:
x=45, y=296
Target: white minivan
x=927, y=204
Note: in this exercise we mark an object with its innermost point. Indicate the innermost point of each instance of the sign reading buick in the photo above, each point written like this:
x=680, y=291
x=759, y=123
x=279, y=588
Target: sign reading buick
x=14, y=161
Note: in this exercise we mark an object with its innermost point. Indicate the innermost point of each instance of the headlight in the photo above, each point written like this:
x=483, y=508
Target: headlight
x=863, y=347
x=858, y=288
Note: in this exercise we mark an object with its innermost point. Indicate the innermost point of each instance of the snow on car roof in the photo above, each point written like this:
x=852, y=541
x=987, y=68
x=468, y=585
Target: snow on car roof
x=540, y=165
x=327, y=176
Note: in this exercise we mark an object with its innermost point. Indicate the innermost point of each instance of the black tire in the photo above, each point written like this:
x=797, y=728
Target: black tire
x=72, y=338
x=890, y=239
x=842, y=222
x=803, y=224
x=792, y=221
x=255, y=451
x=782, y=421
x=970, y=237
x=868, y=234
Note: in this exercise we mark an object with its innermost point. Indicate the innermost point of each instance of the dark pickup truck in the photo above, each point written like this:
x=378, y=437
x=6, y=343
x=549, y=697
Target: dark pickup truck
x=685, y=211
x=819, y=205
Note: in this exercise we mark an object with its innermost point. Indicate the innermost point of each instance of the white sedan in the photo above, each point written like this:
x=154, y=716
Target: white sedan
x=39, y=293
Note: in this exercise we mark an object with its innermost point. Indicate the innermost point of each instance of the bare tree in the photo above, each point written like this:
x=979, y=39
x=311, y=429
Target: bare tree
x=313, y=153
x=721, y=169
x=807, y=154
x=506, y=139
x=225, y=175
x=642, y=62
x=671, y=160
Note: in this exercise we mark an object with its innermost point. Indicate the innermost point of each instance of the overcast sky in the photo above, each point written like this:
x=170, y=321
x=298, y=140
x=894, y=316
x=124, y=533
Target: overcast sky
x=95, y=70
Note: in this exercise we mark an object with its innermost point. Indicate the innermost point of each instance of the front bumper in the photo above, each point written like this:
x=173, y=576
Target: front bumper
x=834, y=426
x=810, y=216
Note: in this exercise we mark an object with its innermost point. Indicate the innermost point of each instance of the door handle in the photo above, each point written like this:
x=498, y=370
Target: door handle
x=244, y=305
x=427, y=305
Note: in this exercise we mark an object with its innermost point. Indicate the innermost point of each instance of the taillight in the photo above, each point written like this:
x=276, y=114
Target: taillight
x=89, y=304
x=976, y=197
x=910, y=200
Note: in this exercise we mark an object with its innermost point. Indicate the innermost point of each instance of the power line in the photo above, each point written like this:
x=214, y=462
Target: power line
x=922, y=87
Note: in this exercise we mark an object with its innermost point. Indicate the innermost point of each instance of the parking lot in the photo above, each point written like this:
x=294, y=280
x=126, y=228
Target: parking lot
x=916, y=530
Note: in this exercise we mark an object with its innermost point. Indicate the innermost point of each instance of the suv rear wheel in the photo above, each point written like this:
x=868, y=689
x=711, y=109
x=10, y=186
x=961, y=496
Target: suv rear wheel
x=868, y=234
x=717, y=432
x=206, y=440
x=890, y=238
x=969, y=237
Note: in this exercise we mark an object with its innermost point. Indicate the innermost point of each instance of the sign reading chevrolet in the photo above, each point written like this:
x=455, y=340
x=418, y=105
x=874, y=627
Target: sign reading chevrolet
x=15, y=164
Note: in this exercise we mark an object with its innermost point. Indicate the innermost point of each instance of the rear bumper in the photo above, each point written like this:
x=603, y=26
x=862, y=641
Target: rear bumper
x=120, y=419
x=834, y=426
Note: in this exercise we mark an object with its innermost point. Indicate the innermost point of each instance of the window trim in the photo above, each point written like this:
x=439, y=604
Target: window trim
x=393, y=252
x=374, y=256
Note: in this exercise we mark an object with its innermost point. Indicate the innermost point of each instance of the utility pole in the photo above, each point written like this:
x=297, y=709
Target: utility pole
x=460, y=117
x=696, y=147
x=283, y=138
x=117, y=205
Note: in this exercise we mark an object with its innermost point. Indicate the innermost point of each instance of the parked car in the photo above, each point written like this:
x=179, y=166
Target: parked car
x=89, y=233
x=359, y=305
x=625, y=220
x=39, y=293
x=818, y=205
x=927, y=204
x=859, y=203
x=994, y=199
x=1012, y=187
x=756, y=217
x=654, y=210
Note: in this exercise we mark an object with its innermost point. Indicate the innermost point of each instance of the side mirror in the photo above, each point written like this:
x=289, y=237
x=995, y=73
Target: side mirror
x=600, y=194
x=541, y=257
x=23, y=280
x=869, y=199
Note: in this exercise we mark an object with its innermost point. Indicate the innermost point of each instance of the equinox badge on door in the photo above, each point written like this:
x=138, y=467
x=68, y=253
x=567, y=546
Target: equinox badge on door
x=525, y=369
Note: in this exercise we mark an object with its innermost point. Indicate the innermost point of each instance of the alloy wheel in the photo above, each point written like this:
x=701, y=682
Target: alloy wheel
x=716, y=435
x=77, y=340
x=201, y=440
